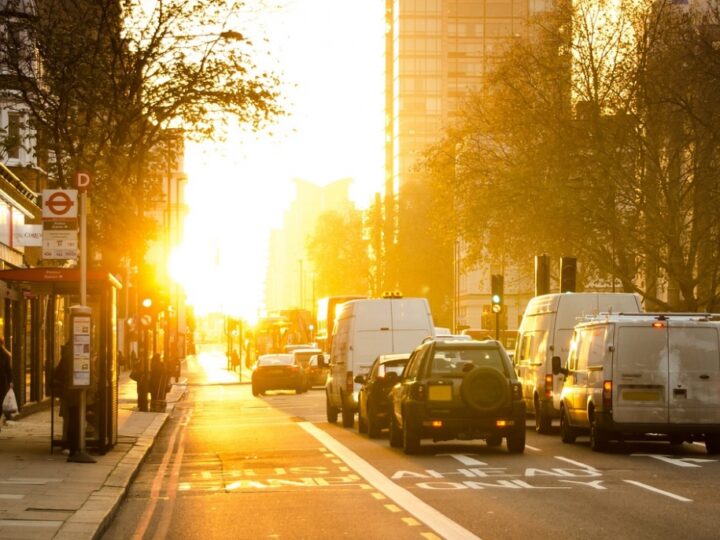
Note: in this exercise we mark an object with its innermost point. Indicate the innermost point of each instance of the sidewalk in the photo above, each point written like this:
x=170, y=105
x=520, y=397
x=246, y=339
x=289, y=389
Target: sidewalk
x=42, y=496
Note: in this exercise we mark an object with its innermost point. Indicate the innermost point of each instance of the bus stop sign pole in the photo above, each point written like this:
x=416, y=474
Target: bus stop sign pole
x=81, y=328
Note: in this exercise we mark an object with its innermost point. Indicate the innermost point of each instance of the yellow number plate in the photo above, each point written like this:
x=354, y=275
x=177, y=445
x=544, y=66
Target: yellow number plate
x=440, y=393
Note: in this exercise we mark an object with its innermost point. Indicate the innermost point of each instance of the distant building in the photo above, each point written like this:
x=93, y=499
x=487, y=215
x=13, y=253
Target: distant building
x=290, y=276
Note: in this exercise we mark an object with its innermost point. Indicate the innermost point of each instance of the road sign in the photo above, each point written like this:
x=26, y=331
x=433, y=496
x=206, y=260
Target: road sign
x=60, y=235
x=59, y=204
x=82, y=181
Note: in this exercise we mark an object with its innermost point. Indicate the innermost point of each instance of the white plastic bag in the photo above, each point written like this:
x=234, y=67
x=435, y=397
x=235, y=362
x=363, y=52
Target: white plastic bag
x=9, y=405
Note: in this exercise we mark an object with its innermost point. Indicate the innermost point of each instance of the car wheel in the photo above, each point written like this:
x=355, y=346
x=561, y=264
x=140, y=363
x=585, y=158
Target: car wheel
x=516, y=440
x=255, y=390
x=567, y=433
x=373, y=426
x=362, y=424
x=396, y=436
x=677, y=440
x=712, y=444
x=598, y=437
x=300, y=390
x=485, y=389
x=330, y=411
x=543, y=422
x=348, y=416
x=494, y=440
x=410, y=437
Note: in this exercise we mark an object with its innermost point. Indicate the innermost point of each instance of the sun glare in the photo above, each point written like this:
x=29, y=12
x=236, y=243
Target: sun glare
x=238, y=190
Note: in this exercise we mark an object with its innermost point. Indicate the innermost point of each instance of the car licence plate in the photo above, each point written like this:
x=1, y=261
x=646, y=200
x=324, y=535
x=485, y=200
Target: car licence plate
x=437, y=392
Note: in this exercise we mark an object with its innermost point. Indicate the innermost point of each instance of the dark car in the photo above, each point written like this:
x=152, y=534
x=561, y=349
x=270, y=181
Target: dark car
x=458, y=390
x=374, y=400
x=303, y=356
x=318, y=371
x=278, y=372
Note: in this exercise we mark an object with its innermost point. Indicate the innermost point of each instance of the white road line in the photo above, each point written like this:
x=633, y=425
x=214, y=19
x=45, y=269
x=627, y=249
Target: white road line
x=656, y=490
x=532, y=448
x=11, y=497
x=578, y=463
x=417, y=508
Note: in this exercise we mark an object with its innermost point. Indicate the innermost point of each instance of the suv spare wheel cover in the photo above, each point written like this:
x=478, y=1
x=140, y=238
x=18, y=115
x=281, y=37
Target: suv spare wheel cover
x=485, y=389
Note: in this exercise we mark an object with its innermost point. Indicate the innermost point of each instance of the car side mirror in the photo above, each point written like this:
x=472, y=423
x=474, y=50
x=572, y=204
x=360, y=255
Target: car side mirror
x=557, y=368
x=322, y=361
x=360, y=379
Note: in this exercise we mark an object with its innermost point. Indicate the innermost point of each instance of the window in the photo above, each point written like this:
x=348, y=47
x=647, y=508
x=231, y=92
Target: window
x=13, y=136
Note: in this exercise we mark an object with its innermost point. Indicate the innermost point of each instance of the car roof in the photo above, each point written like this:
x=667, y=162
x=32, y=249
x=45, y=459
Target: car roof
x=466, y=343
x=308, y=350
x=392, y=357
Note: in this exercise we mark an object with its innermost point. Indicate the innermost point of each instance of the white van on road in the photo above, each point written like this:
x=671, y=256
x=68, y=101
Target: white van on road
x=631, y=375
x=364, y=330
x=545, y=331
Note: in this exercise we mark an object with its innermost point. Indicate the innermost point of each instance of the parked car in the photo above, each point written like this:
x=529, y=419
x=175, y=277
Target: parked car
x=318, y=369
x=544, y=332
x=374, y=404
x=278, y=372
x=458, y=390
x=629, y=376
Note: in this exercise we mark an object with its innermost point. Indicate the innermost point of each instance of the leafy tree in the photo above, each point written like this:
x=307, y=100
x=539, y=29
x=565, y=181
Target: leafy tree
x=338, y=251
x=598, y=136
x=114, y=82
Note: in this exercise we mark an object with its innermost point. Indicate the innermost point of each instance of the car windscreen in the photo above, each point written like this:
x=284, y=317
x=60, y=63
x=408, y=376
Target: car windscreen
x=458, y=362
x=276, y=360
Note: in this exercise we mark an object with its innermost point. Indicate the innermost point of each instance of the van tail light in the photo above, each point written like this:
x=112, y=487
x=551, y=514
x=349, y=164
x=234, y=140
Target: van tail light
x=548, y=385
x=517, y=392
x=607, y=395
x=418, y=392
x=349, y=386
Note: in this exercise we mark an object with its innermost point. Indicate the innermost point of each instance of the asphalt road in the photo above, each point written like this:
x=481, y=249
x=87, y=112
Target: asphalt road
x=229, y=465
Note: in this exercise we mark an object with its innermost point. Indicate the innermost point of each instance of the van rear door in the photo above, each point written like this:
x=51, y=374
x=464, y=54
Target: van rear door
x=694, y=374
x=640, y=374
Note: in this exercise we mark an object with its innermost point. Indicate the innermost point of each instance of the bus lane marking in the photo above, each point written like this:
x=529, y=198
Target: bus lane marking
x=413, y=505
x=659, y=491
x=677, y=461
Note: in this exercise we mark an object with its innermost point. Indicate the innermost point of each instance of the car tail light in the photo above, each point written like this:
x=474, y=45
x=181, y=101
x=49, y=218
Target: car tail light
x=437, y=423
x=607, y=395
x=548, y=385
x=418, y=392
x=349, y=387
x=517, y=391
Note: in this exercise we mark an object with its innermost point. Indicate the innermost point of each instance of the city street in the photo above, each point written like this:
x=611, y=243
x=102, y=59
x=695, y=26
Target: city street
x=230, y=465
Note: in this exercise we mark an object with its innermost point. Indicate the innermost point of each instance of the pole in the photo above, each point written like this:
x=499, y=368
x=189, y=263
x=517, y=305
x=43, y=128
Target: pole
x=81, y=456
x=497, y=325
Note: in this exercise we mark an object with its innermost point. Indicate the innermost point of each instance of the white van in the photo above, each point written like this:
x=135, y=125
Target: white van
x=364, y=330
x=632, y=375
x=545, y=331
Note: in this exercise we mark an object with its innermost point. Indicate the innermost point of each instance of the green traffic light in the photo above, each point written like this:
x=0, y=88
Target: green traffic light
x=496, y=299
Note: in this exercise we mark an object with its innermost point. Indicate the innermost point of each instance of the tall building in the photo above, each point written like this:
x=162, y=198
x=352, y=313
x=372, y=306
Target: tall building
x=437, y=51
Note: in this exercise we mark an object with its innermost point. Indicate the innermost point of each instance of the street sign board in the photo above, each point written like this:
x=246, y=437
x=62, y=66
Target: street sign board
x=59, y=204
x=27, y=235
x=60, y=229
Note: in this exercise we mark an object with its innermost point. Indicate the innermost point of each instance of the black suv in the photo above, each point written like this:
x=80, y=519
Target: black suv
x=458, y=390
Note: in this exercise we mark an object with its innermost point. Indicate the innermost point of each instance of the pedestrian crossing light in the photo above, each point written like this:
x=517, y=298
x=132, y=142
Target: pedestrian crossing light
x=496, y=292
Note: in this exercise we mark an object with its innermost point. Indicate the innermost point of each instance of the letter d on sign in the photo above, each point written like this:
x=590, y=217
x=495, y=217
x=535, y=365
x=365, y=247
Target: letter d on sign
x=82, y=181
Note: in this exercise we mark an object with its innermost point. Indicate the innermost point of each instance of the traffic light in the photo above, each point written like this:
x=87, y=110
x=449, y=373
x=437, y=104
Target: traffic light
x=496, y=295
x=568, y=273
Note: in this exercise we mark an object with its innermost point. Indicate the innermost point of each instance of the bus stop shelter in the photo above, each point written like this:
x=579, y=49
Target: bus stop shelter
x=51, y=292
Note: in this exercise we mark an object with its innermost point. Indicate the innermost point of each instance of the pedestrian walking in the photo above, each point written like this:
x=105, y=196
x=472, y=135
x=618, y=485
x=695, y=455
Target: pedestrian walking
x=6, y=382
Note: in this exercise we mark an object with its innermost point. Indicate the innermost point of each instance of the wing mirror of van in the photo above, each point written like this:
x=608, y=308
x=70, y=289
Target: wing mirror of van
x=360, y=379
x=391, y=378
x=557, y=368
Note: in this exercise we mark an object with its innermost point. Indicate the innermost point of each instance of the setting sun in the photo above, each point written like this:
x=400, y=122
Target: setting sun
x=238, y=189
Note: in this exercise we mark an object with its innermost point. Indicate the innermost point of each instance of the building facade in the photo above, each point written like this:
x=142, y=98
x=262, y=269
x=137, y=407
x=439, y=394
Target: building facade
x=438, y=51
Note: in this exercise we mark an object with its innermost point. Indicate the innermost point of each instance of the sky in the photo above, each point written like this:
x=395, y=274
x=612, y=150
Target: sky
x=329, y=57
